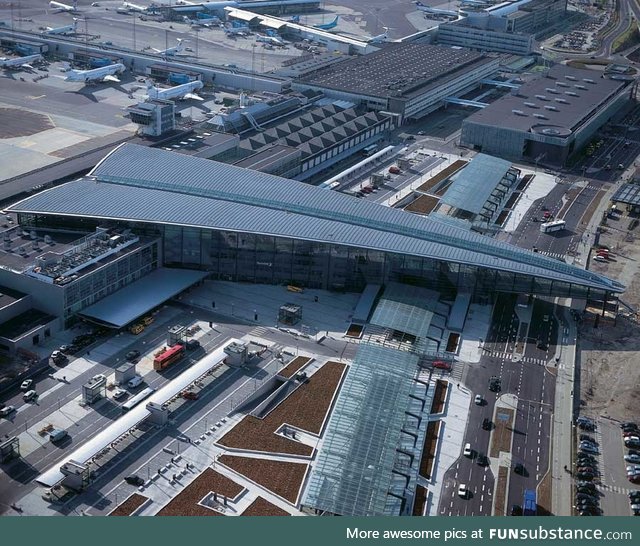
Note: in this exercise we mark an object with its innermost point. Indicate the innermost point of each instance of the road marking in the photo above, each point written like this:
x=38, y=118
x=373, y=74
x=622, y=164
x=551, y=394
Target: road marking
x=52, y=389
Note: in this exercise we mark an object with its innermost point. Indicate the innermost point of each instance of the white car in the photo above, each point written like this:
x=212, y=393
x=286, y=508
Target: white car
x=7, y=410
x=467, y=450
x=26, y=385
x=98, y=377
x=119, y=393
x=599, y=258
x=478, y=399
x=463, y=491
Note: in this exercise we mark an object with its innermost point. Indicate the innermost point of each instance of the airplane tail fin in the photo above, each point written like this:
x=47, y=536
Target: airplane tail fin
x=336, y=19
x=75, y=4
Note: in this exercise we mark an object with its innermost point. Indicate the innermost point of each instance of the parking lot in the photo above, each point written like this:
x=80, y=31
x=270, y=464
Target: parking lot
x=600, y=472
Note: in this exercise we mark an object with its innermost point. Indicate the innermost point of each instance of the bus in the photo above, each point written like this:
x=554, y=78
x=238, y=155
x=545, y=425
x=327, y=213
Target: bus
x=529, y=506
x=167, y=356
x=133, y=402
x=370, y=150
x=555, y=225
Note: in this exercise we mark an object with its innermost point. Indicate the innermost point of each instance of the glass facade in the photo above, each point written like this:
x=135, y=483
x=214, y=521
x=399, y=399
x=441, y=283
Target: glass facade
x=248, y=257
x=106, y=280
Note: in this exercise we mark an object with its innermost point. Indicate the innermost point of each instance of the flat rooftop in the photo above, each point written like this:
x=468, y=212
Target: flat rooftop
x=397, y=70
x=9, y=296
x=267, y=157
x=554, y=105
x=23, y=323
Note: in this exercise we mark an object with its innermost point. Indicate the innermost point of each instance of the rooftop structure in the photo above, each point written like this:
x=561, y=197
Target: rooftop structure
x=83, y=454
x=404, y=78
x=369, y=461
x=547, y=118
x=629, y=194
x=478, y=191
x=174, y=192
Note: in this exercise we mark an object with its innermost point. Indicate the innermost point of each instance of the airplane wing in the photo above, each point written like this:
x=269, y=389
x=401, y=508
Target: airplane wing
x=110, y=78
x=193, y=96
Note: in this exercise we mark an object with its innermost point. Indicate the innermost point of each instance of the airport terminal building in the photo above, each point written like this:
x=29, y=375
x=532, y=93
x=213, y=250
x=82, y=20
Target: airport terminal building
x=235, y=224
x=547, y=119
x=410, y=80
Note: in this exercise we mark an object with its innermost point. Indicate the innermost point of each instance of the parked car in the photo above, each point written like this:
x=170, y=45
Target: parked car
x=463, y=491
x=629, y=424
x=516, y=510
x=7, y=410
x=478, y=399
x=589, y=448
x=189, y=395
x=134, y=480
x=467, y=452
x=57, y=435
x=135, y=381
x=632, y=458
x=482, y=460
x=519, y=468
x=193, y=344
x=442, y=365
x=26, y=385
x=587, y=438
x=486, y=424
x=119, y=393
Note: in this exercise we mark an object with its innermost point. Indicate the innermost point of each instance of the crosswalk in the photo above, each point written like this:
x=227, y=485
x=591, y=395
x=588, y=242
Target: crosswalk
x=556, y=255
x=457, y=371
x=504, y=355
x=259, y=331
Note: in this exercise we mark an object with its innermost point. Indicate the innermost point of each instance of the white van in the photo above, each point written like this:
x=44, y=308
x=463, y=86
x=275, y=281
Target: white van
x=133, y=383
x=57, y=434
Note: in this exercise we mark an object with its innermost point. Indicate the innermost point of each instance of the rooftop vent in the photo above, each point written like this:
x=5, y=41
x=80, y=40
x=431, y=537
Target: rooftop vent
x=580, y=86
x=551, y=107
x=562, y=84
x=540, y=116
x=551, y=90
x=572, y=78
x=518, y=112
x=571, y=93
x=588, y=80
x=541, y=97
x=530, y=104
x=563, y=101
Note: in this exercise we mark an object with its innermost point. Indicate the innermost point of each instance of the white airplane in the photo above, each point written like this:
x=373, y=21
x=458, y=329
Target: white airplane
x=183, y=91
x=271, y=40
x=19, y=62
x=172, y=50
x=237, y=31
x=59, y=6
x=133, y=7
x=102, y=74
x=435, y=11
x=380, y=38
x=200, y=22
x=68, y=29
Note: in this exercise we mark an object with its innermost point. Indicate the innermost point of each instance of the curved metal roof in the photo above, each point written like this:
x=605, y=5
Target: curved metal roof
x=151, y=185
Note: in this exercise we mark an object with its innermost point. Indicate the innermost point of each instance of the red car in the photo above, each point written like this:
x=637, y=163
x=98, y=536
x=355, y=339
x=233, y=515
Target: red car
x=190, y=395
x=441, y=365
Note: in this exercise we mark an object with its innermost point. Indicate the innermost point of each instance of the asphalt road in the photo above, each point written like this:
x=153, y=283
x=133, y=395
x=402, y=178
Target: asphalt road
x=534, y=386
